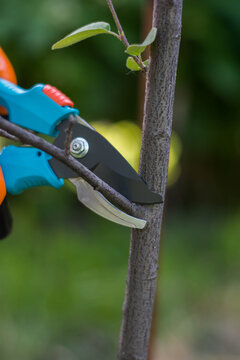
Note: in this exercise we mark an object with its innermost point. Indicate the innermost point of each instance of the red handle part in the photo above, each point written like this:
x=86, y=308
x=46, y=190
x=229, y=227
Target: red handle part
x=57, y=96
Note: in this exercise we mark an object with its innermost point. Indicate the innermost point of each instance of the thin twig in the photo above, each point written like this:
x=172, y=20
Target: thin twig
x=114, y=34
x=122, y=35
x=72, y=120
x=8, y=136
x=118, y=24
x=29, y=138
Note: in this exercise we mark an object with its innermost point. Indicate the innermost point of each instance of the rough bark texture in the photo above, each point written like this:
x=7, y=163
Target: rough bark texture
x=157, y=127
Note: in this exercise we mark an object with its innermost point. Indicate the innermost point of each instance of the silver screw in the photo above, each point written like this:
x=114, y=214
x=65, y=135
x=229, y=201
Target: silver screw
x=79, y=147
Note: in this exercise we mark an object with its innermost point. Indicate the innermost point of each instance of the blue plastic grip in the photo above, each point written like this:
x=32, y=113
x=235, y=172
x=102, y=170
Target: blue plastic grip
x=32, y=108
x=25, y=167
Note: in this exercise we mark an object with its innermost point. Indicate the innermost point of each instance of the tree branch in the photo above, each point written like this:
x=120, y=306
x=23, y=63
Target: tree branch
x=8, y=136
x=16, y=133
x=118, y=24
x=157, y=127
x=122, y=35
x=72, y=120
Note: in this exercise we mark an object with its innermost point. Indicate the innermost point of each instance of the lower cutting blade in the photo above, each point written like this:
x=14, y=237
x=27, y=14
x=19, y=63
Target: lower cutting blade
x=96, y=202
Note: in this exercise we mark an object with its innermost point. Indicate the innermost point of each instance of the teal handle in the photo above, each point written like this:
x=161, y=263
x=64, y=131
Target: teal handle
x=25, y=167
x=32, y=108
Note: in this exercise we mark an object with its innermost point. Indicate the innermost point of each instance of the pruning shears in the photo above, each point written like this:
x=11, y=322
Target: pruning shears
x=46, y=110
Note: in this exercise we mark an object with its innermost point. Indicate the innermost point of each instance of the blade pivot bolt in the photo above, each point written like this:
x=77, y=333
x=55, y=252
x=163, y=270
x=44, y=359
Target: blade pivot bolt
x=79, y=147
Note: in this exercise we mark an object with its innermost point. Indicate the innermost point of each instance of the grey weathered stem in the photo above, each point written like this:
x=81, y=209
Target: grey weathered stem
x=16, y=133
x=118, y=24
x=157, y=127
x=122, y=35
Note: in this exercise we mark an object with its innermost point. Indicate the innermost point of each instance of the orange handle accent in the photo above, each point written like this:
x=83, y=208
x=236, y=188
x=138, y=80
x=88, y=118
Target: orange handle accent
x=3, y=190
x=6, y=72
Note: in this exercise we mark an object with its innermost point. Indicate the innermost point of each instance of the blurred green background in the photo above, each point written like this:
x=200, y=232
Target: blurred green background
x=63, y=269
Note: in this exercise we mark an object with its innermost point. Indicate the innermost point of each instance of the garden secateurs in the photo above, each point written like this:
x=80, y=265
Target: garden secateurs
x=46, y=110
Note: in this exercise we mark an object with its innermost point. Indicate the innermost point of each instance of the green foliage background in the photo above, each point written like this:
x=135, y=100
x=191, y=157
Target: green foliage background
x=62, y=271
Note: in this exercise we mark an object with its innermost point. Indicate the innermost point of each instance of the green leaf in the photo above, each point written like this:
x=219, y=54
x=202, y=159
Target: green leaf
x=146, y=62
x=83, y=33
x=133, y=66
x=137, y=49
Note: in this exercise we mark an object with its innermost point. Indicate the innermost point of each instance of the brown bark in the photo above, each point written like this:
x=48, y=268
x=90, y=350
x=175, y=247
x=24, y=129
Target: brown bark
x=157, y=127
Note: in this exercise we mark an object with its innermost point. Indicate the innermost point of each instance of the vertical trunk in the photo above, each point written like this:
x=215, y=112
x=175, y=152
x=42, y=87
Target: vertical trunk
x=157, y=127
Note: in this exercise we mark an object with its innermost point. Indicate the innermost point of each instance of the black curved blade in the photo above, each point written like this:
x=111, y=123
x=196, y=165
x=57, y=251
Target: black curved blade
x=106, y=162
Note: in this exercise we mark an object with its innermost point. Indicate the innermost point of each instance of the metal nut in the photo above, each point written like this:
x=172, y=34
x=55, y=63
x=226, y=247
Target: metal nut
x=79, y=147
